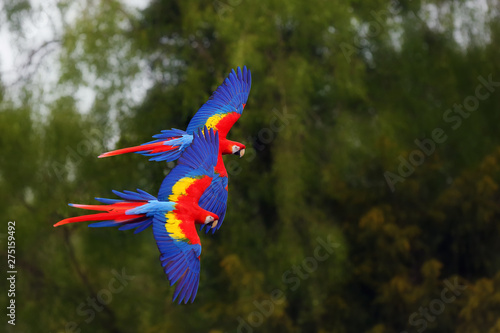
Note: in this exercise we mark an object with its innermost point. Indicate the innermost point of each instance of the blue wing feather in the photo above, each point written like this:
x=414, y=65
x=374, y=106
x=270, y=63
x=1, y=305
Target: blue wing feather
x=140, y=223
x=198, y=159
x=180, y=261
x=140, y=195
x=228, y=97
x=175, y=137
x=214, y=199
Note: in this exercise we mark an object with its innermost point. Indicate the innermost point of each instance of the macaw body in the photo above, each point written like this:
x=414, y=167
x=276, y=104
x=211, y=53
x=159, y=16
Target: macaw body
x=173, y=214
x=214, y=198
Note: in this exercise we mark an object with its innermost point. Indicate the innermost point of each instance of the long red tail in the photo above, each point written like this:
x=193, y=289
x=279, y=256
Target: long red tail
x=150, y=148
x=115, y=212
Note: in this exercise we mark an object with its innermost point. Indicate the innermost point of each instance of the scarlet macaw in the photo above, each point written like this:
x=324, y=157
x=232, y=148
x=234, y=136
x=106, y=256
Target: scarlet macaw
x=220, y=112
x=173, y=214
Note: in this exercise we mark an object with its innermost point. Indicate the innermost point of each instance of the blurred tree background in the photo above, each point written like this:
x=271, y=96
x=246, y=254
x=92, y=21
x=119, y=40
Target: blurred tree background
x=371, y=126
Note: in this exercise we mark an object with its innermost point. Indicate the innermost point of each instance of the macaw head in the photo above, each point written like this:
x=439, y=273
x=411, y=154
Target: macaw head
x=212, y=218
x=231, y=147
x=238, y=149
x=200, y=215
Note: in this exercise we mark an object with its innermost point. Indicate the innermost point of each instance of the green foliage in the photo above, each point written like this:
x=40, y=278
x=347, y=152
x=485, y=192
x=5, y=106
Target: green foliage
x=333, y=107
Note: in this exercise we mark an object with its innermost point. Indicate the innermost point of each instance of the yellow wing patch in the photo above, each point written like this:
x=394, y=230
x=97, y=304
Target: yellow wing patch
x=180, y=188
x=173, y=226
x=214, y=120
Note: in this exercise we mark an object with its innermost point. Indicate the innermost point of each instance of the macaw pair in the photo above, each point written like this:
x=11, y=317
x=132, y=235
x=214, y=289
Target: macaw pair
x=194, y=192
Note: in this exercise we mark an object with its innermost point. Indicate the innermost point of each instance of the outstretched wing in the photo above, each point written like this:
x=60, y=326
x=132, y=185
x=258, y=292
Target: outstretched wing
x=214, y=199
x=180, y=251
x=198, y=160
x=226, y=104
x=175, y=231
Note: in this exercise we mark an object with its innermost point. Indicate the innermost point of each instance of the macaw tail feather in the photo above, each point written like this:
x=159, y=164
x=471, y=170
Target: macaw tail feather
x=144, y=149
x=117, y=212
x=168, y=146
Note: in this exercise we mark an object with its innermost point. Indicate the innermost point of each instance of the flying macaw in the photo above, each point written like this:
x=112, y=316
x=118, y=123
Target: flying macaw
x=220, y=112
x=173, y=214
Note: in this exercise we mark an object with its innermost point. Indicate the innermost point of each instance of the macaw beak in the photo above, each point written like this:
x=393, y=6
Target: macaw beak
x=214, y=223
x=242, y=152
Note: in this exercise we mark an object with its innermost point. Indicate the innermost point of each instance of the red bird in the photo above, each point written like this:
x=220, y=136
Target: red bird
x=173, y=214
x=220, y=112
